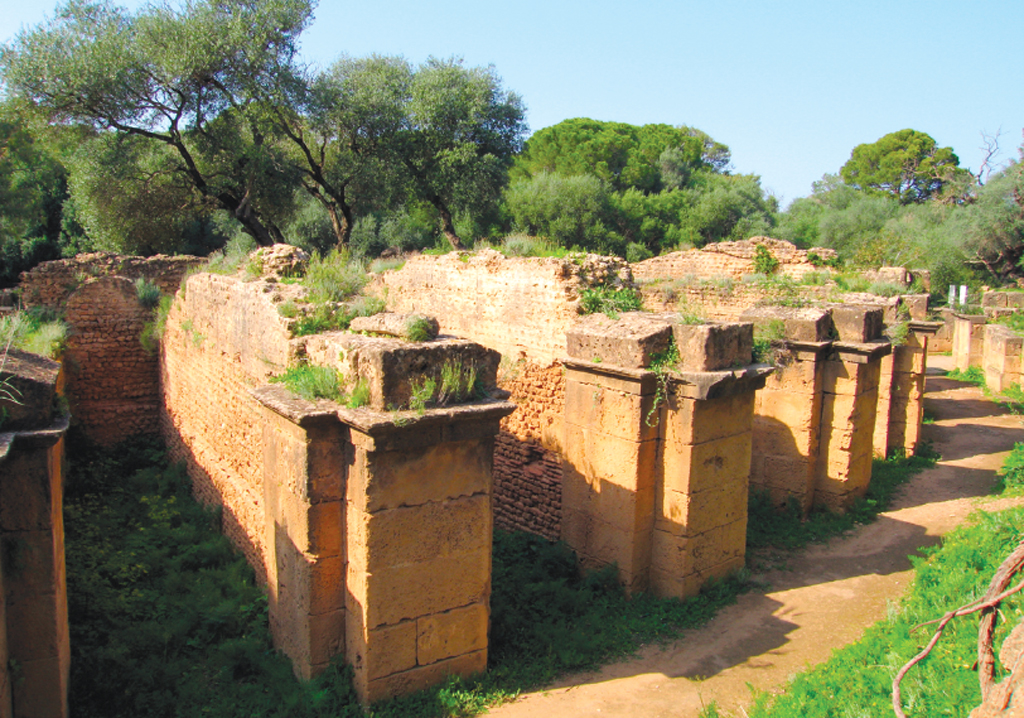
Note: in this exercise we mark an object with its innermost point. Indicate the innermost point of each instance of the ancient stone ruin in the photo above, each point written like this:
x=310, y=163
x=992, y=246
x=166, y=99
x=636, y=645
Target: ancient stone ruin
x=371, y=525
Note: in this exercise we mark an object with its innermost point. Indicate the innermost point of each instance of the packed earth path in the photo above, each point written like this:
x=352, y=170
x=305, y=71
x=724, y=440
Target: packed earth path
x=815, y=600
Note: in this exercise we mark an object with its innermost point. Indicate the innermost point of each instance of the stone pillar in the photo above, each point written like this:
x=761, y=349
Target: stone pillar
x=849, y=404
x=787, y=412
x=906, y=402
x=612, y=430
x=886, y=380
x=968, y=340
x=657, y=463
x=418, y=545
x=379, y=521
x=1002, y=357
x=304, y=463
x=34, y=681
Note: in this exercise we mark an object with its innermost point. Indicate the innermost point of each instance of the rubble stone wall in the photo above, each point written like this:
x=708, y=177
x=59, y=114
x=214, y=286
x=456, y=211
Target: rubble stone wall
x=730, y=259
x=51, y=284
x=521, y=307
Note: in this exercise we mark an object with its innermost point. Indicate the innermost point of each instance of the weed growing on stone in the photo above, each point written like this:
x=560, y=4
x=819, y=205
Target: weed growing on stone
x=147, y=293
x=858, y=678
x=764, y=336
x=886, y=289
x=458, y=382
x=288, y=309
x=391, y=264
x=153, y=330
x=359, y=396
x=661, y=364
x=1014, y=321
x=523, y=245
x=816, y=279
x=418, y=328
x=787, y=529
x=334, y=277
x=313, y=382
x=764, y=261
x=610, y=301
x=423, y=389
x=234, y=255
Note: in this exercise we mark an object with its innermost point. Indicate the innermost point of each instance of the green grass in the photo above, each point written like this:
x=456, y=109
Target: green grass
x=334, y=277
x=313, y=382
x=166, y=619
x=768, y=527
x=34, y=330
x=857, y=680
x=1011, y=398
x=610, y=301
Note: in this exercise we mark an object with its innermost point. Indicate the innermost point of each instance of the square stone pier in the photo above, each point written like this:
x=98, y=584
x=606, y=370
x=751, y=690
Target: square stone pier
x=814, y=421
x=33, y=609
x=657, y=457
x=901, y=391
x=1001, y=358
x=378, y=521
x=968, y=340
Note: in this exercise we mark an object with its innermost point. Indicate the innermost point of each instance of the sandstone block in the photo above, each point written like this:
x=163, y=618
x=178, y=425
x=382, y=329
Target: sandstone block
x=631, y=341
x=708, y=347
x=855, y=323
x=415, y=679
x=696, y=422
x=690, y=469
x=800, y=324
x=382, y=480
x=401, y=593
x=452, y=633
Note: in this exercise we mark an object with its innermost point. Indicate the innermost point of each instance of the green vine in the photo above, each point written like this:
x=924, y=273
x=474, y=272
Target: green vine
x=661, y=364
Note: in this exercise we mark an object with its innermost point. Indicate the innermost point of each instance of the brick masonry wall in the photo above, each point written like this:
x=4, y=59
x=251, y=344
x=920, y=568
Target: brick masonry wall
x=223, y=337
x=527, y=464
x=112, y=382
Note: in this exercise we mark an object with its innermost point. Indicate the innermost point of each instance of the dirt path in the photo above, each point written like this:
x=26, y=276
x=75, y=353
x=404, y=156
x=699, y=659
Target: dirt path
x=822, y=599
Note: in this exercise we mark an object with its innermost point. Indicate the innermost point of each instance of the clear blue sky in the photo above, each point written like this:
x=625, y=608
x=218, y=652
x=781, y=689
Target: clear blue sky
x=791, y=87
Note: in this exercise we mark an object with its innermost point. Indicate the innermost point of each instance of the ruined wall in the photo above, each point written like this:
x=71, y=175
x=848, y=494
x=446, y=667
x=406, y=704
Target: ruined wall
x=112, y=382
x=521, y=307
x=223, y=337
x=729, y=259
x=50, y=284
x=34, y=637
x=717, y=299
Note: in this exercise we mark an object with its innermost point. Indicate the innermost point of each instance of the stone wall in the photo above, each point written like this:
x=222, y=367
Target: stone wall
x=112, y=380
x=222, y=338
x=730, y=259
x=521, y=307
x=50, y=284
x=371, y=530
x=33, y=602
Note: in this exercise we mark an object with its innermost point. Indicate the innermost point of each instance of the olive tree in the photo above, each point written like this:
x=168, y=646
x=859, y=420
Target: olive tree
x=199, y=83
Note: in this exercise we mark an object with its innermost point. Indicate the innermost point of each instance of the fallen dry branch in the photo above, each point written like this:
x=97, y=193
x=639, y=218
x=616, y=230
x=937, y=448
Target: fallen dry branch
x=988, y=604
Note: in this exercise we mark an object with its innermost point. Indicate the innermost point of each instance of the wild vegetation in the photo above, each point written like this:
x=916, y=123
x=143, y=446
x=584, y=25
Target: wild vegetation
x=227, y=134
x=166, y=618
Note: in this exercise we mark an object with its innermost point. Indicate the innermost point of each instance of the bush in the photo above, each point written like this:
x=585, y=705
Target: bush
x=610, y=301
x=35, y=330
x=147, y=292
x=334, y=277
x=764, y=262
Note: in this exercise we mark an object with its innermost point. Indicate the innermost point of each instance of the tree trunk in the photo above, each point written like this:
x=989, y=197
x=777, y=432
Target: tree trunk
x=447, y=224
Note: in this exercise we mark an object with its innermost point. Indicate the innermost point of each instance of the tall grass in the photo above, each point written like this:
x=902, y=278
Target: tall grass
x=857, y=680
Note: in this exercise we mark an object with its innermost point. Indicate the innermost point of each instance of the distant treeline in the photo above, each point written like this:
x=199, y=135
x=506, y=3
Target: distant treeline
x=174, y=130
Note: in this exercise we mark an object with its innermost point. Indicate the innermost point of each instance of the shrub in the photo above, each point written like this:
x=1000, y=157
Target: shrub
x=147, y=292
x=610, y=300
x=764, y=261
x=334, y=277
x=636, y=252
x=35, y=330
x=886, y=289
